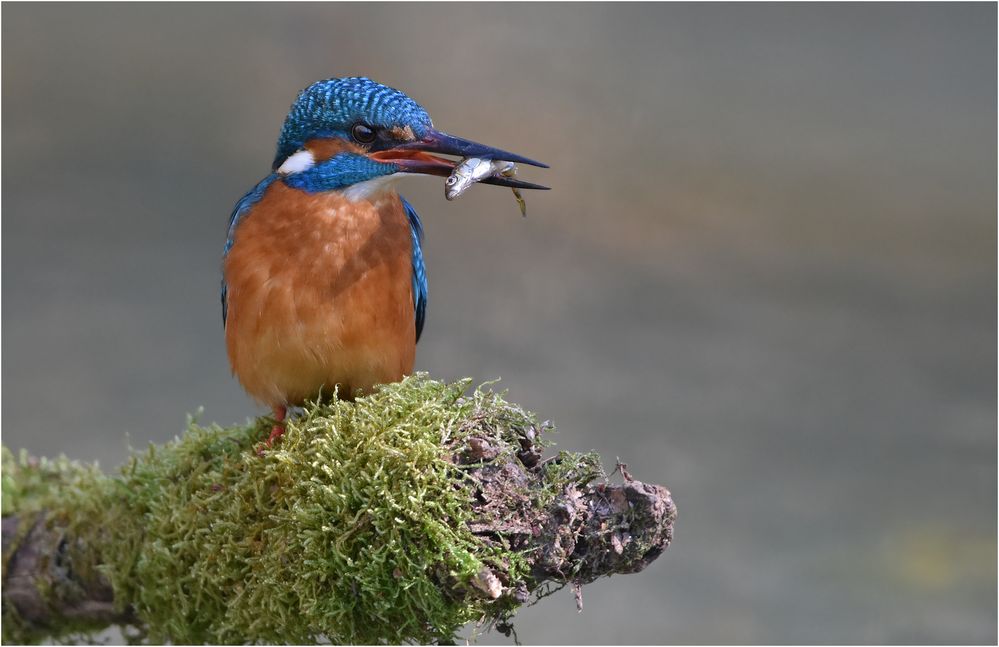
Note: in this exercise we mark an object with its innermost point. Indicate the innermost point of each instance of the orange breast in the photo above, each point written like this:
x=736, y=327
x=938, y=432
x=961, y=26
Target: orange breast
x=319, y=294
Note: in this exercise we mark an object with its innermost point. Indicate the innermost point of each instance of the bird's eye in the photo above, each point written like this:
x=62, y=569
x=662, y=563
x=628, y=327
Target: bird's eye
x=363, y=134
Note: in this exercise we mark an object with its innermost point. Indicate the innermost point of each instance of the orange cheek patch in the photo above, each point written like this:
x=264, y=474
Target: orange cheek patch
x=404, y=133
x=324, y=149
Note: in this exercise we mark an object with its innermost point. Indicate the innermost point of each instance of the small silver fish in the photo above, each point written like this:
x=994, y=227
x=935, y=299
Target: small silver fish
x=471, y=170
x=475, y=169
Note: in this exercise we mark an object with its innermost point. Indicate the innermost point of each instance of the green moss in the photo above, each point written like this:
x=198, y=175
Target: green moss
x=570, y=468
x=33, y=484
x=344, y=531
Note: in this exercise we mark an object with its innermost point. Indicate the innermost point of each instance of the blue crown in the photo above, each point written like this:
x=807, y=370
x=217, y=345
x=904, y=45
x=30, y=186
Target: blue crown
x=330, y=108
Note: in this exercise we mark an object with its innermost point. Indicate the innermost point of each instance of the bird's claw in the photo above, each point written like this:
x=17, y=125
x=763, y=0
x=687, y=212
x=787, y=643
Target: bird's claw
x=276, y=431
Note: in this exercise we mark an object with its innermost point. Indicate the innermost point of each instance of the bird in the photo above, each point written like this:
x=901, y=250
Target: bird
x=324, y=282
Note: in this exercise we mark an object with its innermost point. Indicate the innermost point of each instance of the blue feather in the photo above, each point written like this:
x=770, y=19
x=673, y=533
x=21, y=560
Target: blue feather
x=420, y=288
x=338, y=172
x=329, y=108
x=242, y=208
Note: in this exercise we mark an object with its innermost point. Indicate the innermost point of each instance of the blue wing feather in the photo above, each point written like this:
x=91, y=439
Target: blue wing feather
x=242, y=208
x=419, y=270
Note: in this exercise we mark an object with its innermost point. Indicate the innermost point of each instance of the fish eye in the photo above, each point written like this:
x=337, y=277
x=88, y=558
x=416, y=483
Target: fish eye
x=451, y=180
x=363, y=133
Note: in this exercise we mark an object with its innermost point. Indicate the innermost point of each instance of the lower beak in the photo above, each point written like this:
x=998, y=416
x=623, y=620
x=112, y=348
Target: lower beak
x=417, y=157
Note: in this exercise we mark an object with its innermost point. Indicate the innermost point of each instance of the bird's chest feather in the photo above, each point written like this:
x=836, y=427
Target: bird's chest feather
x=319, y=292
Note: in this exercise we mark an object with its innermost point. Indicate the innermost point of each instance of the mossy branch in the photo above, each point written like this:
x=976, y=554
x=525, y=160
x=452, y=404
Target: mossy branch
x=396, y=518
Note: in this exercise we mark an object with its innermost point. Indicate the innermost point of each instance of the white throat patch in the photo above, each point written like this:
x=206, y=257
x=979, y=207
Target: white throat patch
x=300, y=161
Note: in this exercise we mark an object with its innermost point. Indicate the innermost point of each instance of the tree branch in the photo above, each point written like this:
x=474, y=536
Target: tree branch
x=399, y=517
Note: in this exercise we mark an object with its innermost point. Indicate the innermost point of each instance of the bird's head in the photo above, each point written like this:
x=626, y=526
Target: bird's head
x=354, y=132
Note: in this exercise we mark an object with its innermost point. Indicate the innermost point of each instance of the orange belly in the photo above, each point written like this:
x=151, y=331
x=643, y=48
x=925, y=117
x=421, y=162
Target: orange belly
x=319, y=295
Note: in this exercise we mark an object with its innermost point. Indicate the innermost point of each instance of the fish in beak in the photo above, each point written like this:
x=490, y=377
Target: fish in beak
x=422, y=156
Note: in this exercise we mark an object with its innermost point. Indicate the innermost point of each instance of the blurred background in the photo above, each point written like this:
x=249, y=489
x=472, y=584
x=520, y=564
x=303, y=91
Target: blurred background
x=765, y=276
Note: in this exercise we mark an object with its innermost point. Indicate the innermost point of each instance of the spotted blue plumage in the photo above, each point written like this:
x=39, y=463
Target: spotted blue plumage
x=420, y=287
x=330, y=108
x=241, y=209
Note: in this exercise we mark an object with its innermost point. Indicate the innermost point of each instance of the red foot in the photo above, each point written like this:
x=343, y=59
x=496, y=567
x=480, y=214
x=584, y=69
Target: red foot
x=276, y=431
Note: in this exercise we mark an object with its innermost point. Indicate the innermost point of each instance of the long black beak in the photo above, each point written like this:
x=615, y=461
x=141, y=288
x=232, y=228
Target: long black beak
x=444, y=144
x=416, y=157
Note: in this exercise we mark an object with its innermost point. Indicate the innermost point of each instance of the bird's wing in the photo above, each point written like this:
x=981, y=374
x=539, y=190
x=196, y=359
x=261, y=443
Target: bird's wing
x=419, y=270
x=241, y=209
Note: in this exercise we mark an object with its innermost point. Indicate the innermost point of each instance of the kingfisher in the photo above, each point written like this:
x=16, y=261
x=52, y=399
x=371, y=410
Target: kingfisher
x=324, y=284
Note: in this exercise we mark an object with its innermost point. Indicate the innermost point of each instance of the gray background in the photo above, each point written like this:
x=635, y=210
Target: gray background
x=766, y=275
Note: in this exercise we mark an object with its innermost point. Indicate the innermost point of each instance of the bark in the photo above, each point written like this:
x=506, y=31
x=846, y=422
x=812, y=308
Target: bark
x=590, y=529
x=48, y=591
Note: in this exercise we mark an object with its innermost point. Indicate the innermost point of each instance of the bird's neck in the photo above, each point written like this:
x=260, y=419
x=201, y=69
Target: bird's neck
x=325, y=165
x=375, y=190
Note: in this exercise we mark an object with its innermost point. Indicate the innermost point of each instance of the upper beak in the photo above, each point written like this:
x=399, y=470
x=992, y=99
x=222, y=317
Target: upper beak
x=413, y=157
x=438, y=142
